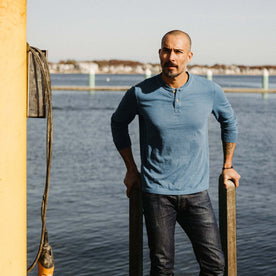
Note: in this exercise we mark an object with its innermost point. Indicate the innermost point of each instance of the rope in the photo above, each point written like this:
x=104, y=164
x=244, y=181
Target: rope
x=42, y=62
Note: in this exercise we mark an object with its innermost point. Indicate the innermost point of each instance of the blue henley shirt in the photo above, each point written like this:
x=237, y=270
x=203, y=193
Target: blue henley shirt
x=173, y=131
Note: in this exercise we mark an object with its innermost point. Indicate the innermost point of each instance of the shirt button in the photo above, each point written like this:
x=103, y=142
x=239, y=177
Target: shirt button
x=174, y=91
x=177, y=100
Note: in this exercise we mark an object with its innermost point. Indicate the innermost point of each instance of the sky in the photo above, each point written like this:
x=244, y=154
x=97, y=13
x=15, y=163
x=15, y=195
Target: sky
x=224, y=32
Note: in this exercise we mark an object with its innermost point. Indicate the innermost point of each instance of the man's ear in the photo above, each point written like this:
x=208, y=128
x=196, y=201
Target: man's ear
x=190, y=56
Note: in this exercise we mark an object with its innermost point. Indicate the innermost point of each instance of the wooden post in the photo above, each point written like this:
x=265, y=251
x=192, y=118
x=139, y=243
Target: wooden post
x=13, y=138
x=135, y=233
x=227, y=225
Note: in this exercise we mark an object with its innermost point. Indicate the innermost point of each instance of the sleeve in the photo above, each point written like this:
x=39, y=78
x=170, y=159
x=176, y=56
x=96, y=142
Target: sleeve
x=124, y=114
x=225, y=115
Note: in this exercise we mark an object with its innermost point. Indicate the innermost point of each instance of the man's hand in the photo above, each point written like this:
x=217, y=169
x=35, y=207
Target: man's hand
x=230, y=174
x=132, y=178
x=132, y=175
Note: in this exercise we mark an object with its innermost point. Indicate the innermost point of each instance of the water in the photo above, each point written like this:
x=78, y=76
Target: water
x=87, y=217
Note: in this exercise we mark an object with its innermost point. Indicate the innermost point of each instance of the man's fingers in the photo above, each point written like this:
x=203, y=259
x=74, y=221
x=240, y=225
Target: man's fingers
x=225, y=184
x=234, y=179
x=128, y=193
x=129, y=188
x=132, y=180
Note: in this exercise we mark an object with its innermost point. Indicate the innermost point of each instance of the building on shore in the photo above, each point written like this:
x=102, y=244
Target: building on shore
x=135, y=67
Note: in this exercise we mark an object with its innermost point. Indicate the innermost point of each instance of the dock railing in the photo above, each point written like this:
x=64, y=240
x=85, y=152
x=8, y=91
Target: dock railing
x=265, y=90
x=227, y=225
x=125, y=88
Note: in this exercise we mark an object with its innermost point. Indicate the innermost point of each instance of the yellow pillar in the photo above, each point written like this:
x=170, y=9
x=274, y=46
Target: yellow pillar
x=13, y=98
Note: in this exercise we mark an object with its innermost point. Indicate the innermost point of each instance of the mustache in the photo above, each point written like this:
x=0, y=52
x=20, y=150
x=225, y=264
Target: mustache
x=170, y=64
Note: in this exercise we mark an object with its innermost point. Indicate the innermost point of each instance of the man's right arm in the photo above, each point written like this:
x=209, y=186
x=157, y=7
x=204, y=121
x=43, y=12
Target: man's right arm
x=120, y=120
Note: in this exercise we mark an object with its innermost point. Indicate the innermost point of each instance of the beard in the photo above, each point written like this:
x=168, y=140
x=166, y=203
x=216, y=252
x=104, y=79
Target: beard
x=170, y=73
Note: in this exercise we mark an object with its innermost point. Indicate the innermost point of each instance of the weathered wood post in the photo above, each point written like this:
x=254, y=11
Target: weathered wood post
x=135, y=233
x=227, y=225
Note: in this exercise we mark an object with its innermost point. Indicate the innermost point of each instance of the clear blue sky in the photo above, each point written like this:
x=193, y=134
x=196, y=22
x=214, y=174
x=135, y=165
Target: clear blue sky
x=229, y=32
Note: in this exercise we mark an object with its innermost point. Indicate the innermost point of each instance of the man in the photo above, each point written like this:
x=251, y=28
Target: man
x=173, y=110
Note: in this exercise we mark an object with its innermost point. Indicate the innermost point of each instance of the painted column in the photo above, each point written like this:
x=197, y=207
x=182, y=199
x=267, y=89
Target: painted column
x=92, y=79
x=265, y=82
x=13, y=129
x=209, y=74
x=147, y=73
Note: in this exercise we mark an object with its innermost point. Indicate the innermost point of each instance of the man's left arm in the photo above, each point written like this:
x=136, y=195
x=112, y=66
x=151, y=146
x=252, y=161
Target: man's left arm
x=229, y=130
x=228, y=172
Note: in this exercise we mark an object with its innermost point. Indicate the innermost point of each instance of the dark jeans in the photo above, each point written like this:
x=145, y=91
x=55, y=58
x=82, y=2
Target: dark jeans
x=195, y=215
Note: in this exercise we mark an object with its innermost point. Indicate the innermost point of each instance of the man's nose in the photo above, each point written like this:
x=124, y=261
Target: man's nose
x=172, y=56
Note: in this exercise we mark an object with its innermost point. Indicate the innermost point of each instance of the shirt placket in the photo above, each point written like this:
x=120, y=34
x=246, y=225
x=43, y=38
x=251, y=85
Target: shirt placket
x=176, y=100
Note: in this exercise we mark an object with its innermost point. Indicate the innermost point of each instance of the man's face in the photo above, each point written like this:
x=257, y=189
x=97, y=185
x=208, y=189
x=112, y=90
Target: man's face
x=174, y=55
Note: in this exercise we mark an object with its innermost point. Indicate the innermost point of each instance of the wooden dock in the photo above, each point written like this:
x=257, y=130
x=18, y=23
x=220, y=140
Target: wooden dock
x=125, y=88
x=88, y=88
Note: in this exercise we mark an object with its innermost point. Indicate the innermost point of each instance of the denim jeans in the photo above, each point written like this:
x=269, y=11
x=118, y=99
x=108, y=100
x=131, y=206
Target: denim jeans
x=195, y=215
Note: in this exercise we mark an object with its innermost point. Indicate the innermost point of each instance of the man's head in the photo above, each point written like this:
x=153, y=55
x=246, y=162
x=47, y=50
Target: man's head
x=175, y=53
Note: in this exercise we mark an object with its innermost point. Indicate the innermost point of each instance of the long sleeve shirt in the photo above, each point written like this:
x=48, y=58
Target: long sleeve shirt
x=173, y=127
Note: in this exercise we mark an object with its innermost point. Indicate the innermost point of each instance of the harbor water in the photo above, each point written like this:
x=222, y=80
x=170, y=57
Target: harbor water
x=87, y=218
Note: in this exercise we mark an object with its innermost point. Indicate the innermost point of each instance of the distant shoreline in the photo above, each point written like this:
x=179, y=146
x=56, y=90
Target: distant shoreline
x=135, y=67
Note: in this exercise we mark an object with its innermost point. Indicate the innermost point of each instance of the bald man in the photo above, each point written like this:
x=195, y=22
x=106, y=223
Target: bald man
x=173, y=109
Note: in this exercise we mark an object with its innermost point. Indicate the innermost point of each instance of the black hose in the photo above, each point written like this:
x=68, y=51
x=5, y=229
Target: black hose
x=43, y=64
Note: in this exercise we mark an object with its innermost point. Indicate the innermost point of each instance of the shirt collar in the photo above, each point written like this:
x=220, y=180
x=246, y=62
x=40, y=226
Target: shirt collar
x=167, y=87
